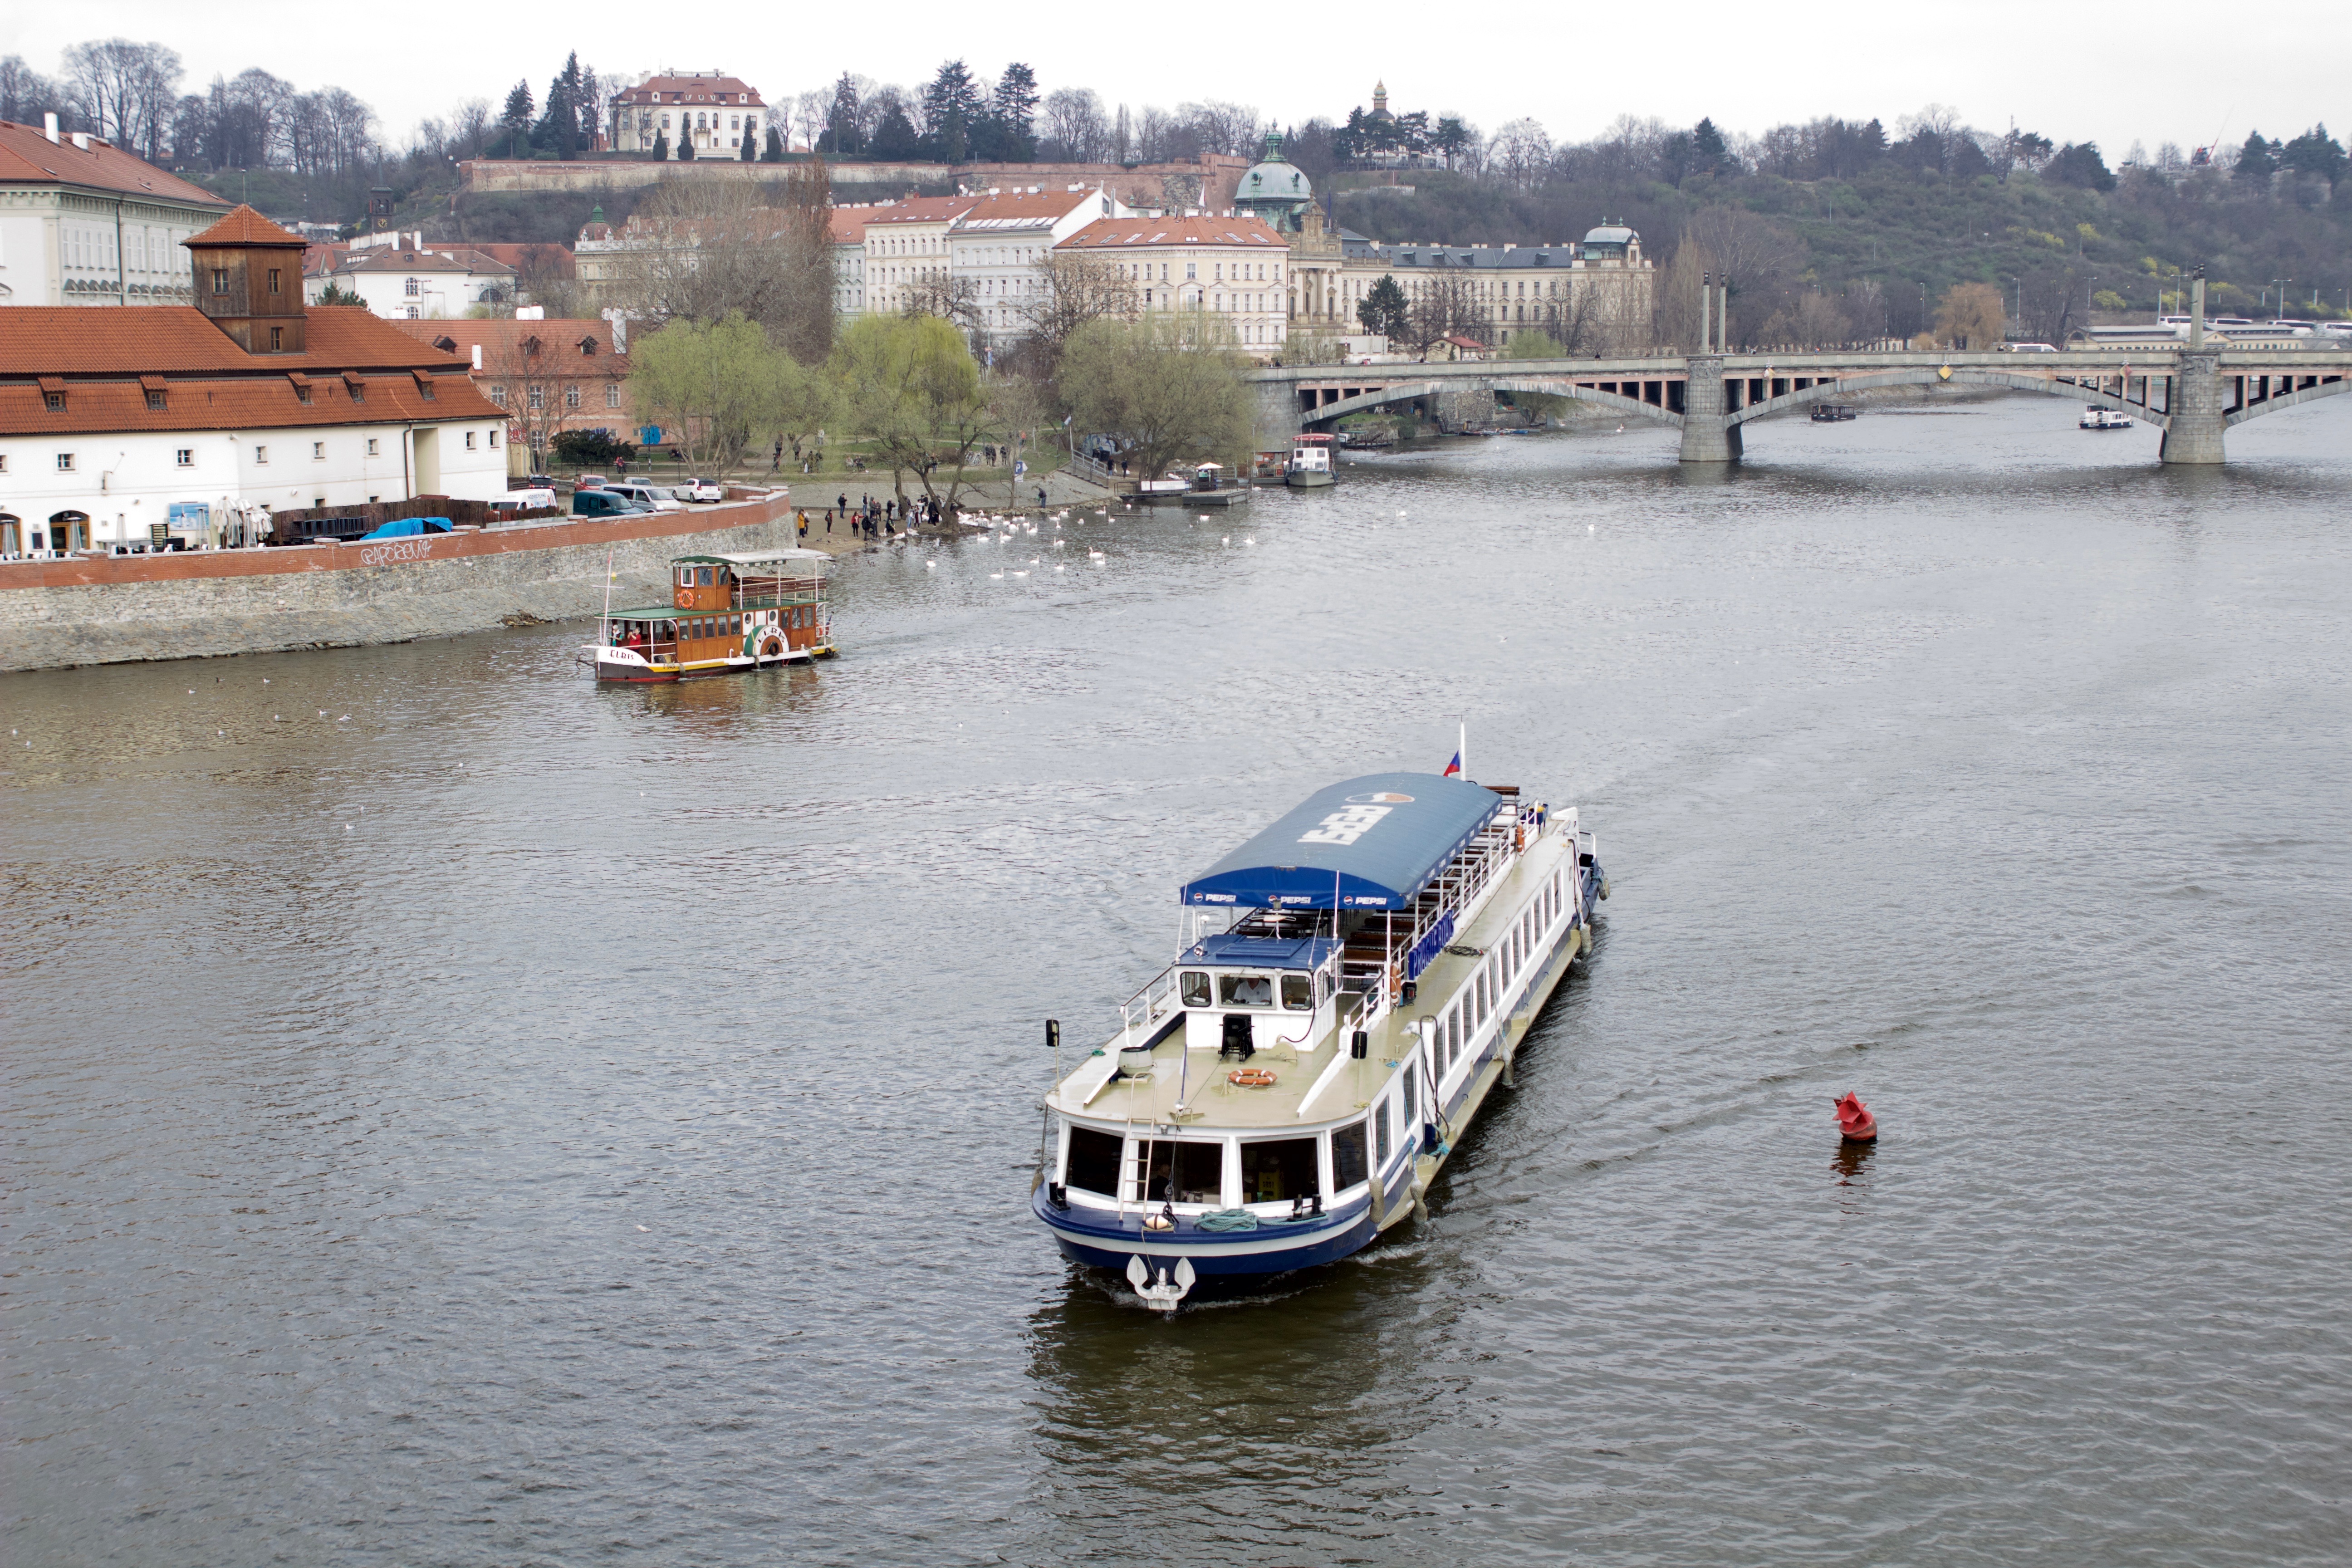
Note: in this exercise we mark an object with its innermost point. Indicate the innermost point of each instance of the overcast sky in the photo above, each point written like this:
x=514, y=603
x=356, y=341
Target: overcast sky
x=2114, y=73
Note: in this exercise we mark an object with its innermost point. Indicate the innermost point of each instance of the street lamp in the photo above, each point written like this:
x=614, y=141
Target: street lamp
x=2280, y=284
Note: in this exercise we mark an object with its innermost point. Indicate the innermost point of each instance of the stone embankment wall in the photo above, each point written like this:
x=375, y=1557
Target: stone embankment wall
x=111, y=609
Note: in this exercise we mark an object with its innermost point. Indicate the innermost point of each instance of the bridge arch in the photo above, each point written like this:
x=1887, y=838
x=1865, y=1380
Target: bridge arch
x=1831, y=392
x=2286, y=400
x=1407, y=391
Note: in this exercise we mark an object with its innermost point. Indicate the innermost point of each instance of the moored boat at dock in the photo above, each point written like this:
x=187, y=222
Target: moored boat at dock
x=726, y=613
x=1311, y=465
x=1352, y=983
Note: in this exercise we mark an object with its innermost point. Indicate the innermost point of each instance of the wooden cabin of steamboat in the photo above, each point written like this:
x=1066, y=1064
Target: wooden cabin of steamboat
x=730, y=612
x=1306, y=1069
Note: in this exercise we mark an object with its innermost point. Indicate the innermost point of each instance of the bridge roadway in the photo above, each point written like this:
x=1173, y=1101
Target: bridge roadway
x=2193, y=395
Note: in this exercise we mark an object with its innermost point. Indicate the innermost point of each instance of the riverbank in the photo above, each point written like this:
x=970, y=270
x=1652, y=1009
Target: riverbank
x=206, y=605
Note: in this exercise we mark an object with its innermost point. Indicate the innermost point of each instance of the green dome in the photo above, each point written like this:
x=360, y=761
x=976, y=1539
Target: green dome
x=1274, y=189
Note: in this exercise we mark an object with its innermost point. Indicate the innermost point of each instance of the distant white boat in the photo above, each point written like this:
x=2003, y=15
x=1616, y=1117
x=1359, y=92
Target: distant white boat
x=2096, y=417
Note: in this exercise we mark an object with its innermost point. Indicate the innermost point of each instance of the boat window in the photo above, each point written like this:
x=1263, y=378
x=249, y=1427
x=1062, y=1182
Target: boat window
x=1456, y=1032
x=702, y=577
x=1325, y=986
x=1278, y=1170
x=1297, y=992
x=1195, y=983
x=1172, y=1171
x=1382, y=1138
x=1348, y=1164
x=1411, y=1098
x=1093, y=1164
x=1246, y=990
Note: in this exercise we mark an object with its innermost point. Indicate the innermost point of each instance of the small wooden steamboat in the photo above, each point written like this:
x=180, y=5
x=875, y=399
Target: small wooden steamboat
x=1352, y=983
x=726, y=613
x=1835, y=413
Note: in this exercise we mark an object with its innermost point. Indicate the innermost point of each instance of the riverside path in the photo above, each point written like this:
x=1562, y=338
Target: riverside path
x=2193, y=395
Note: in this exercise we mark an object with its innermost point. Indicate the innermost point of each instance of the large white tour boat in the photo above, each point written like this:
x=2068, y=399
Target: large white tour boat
x=1353, y=981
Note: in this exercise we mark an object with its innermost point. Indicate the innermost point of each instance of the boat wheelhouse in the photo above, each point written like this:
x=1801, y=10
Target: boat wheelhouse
x=1310, y=461
x=1353, y=981
x=726, y=613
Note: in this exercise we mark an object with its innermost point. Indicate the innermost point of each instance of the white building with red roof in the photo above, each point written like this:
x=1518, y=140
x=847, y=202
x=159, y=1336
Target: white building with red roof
x=998, y=247
x=709, y=110
x=82, y=222
x=906, y=251
x=1231, y=267
x=192, y=419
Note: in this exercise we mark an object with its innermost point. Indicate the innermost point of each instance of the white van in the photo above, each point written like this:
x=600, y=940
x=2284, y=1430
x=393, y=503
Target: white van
x=653, y=498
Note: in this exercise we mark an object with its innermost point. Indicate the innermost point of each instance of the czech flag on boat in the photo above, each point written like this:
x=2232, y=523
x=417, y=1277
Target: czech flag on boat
x=1453, y=768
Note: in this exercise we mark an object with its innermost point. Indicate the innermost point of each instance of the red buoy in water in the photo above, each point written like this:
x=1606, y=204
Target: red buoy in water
x=1855, y=1124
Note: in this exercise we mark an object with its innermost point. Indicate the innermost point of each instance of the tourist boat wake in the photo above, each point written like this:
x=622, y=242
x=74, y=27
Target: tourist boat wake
x=726, y=613
x=1352, y=983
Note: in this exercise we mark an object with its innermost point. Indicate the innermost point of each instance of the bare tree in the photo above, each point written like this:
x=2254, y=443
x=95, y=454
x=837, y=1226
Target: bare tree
x=126, y=91
x=470, y=127
x=1074, y=127
x=1122, y=137
x=1073, y=290
x=1230, y=128
x=1154, y=135
x=951, y=298
x=1520, y=153
x=810, y=112
x=26, y=94
x=703, y=249
x=1442, y=305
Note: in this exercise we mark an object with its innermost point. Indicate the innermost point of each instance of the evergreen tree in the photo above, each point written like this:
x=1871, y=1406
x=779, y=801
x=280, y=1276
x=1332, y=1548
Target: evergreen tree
x=775, y=152
x=684, y=147
x=559, y=126
x=1708, y=154
x=2314, y=152
x=2079, y=164
x=515, y=120
x=1014, y=115
x=2258, y=159
x=661, y=148
x=1384, y=309
x=895, y=137
x=841, y=134
x=953, y=108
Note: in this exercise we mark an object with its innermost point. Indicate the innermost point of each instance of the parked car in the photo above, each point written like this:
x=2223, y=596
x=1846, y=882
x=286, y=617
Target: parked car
x=533, y=482
x=605, y=503
x=2029, y=348
x=588, y=482
x=701, y=489
x=653, y=498
x=531, y=500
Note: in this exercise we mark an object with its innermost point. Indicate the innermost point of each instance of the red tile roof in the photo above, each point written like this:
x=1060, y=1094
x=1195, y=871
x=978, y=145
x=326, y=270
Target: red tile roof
x=924, y=209
x=169, y=340
x=694, y=89
x=561, y=337
x=378, y=259
x=1038, y=207
x=242, y=225
x=1140, y=231
x=238, y=403
x=28, y=157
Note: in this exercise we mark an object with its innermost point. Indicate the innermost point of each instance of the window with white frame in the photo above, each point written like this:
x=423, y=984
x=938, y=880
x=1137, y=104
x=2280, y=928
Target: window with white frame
x=65, y=462
x=538, y=398
x=317, y=451
x=469, y=440
x=372, y=449
x=410, y=287
x=262, y=453
x=572, y=396
x=613, y=394
x=494, y=440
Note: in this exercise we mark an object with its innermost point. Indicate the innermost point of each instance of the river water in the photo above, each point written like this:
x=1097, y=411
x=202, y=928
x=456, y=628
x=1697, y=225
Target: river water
x=457, y=1116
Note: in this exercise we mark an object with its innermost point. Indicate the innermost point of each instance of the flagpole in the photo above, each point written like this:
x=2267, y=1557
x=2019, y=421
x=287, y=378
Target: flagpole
x=1462, y=749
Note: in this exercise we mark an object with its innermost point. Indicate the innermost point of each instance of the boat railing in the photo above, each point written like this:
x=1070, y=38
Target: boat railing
x=1144, y=1010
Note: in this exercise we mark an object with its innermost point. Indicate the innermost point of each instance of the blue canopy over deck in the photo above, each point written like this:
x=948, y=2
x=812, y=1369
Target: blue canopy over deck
x=1368, y=844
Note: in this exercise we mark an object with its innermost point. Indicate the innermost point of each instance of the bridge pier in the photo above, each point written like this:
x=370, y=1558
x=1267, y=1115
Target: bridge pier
x=2195, y=418
x=1709, y=434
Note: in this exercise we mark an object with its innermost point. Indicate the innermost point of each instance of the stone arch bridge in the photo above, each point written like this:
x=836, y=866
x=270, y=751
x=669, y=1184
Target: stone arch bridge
x=2193, y=396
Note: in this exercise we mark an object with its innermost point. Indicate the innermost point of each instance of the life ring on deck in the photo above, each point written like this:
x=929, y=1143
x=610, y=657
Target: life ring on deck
x=1251, y=1078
